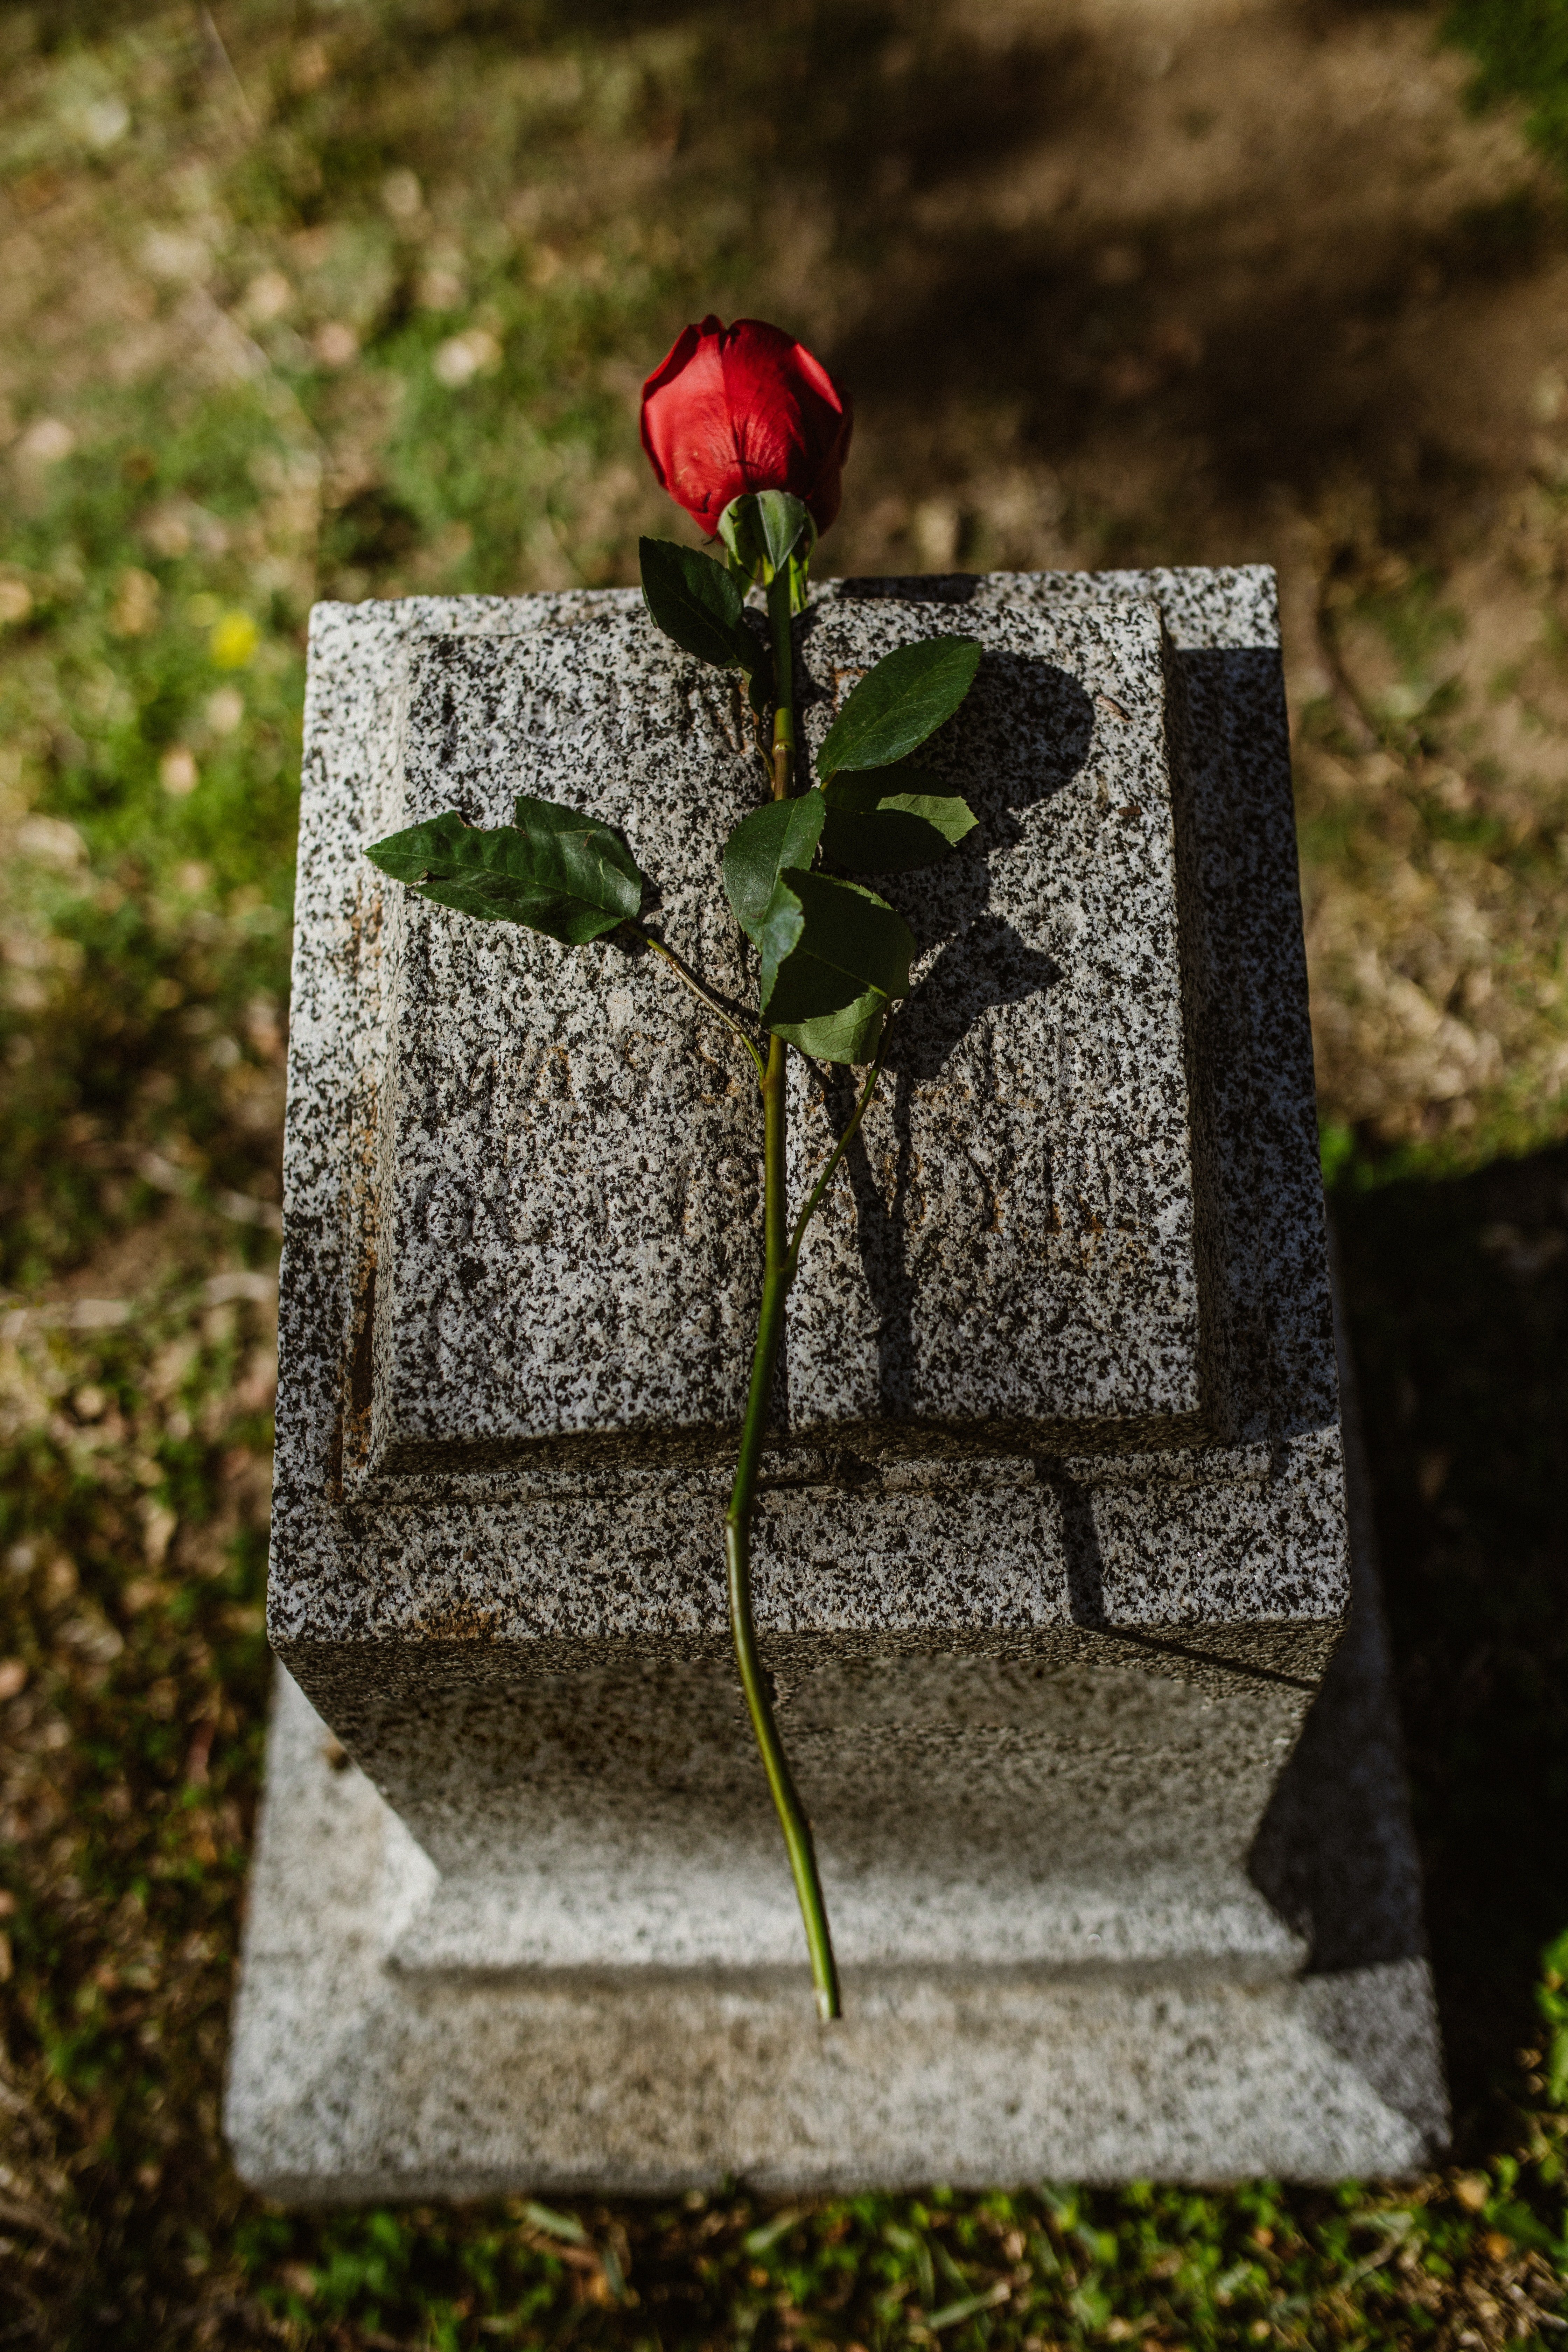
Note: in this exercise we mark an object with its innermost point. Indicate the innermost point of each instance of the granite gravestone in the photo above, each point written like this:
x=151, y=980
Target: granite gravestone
x=1053, y=1563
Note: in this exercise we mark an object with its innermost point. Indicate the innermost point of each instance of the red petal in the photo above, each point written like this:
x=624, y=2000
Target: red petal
x=745, y=409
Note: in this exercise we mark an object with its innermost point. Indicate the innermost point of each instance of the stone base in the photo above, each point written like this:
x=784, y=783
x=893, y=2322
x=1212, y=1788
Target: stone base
x=356, y=2076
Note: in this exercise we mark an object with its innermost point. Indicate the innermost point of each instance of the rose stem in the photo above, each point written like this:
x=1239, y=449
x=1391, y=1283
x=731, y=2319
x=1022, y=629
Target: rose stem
x=780, y=1263
x=779, y=1260
x=783, y=683
x=704, y=996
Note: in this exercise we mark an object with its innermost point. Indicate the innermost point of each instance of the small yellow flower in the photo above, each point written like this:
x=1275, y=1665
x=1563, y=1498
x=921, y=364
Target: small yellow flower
x=234, y=640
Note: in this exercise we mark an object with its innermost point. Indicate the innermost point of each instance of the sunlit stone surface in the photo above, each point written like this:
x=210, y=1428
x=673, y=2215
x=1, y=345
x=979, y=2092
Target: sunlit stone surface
x=1053, y=1557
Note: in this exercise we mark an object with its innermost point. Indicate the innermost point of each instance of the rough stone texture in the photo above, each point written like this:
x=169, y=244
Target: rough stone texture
x=968, y=1810
x=1040, y=1658
x=1244, y=965
x=570, y=1237
x=634, y=1542
x=1038, y=1131
x=374, y=2056
x=1042, y=1089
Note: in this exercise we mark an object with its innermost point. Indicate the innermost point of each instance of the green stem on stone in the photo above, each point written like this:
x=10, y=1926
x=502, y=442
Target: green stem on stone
x=688, y=980
x=780, y=1257
x=791, y=1813
x=779, y=1263
x=783, y=683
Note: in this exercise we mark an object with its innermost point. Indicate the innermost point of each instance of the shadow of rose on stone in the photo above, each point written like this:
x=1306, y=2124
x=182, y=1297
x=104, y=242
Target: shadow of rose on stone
x=1021, y=738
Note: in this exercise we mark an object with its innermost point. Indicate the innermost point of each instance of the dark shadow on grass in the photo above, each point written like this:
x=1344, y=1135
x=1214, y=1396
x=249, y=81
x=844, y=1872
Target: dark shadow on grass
x=1456, y=1295
x=1239, y=335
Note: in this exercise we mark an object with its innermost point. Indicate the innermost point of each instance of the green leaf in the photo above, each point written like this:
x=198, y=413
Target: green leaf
x=874, y=828
x=969, y=2305
x=1557, y=2067
x=555, y=2225
x=555, y=870
x=832, y=957
x=778, y=934
x=768, y=2233
x=823, y=942
x=696, y=601
x=1527, y=2229
x=897, y=705
x=763, y=529
x=848, y=1036
x=785, y=833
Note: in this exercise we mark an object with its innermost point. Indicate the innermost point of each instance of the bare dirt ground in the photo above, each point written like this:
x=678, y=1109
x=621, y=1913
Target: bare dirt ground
x=1247, y=280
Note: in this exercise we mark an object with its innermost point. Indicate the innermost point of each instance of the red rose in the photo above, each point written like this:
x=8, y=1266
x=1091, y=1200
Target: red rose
x=745, y=409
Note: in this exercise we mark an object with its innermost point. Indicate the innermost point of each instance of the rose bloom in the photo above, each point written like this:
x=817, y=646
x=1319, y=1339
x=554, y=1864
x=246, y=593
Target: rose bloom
x=745, y=409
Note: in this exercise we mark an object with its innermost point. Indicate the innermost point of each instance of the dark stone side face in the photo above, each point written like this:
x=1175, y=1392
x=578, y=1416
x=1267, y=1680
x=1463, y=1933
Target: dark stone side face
x=569, y=1237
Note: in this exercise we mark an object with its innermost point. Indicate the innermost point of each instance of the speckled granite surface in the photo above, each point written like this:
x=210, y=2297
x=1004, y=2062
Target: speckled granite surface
x=1244, y=970
x=390, y=2043
x=356, y=2078
x=570, y=1223
x=1035, y=1138
x=607, y=1545
x=506, y=1595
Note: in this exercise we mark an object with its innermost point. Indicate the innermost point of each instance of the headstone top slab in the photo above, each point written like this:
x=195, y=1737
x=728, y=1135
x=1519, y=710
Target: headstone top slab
x=569, y=1545
x=570, y=1249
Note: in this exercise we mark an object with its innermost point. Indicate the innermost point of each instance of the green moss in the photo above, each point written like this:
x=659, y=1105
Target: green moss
x=1522, y=46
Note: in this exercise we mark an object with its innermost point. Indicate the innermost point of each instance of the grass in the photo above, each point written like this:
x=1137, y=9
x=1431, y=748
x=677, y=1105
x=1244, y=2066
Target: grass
x=1521, y=46
x=354, y=299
